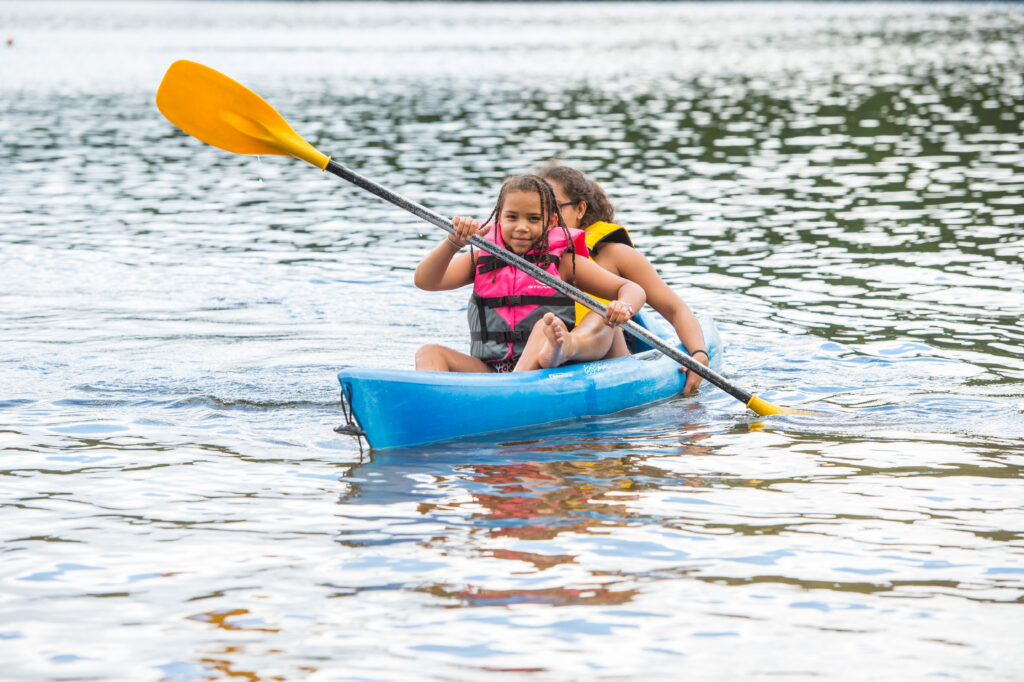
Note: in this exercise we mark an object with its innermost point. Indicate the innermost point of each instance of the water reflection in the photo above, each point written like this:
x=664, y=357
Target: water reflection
x=837, y=184
x=507, y=508
x=231, y=620
x=604, y=524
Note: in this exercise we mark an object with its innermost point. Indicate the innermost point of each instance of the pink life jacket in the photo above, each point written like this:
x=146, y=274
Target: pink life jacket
x=507, y=303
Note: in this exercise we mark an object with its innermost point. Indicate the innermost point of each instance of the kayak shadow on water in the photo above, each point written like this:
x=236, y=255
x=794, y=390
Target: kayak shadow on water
x=543, y=459
x=670, y=427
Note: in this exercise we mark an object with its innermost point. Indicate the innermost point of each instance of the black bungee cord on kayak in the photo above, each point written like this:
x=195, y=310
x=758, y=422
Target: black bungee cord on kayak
x=351, y=426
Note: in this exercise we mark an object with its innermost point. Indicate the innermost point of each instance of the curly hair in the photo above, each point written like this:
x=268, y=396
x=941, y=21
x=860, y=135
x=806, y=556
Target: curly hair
x=578, y=187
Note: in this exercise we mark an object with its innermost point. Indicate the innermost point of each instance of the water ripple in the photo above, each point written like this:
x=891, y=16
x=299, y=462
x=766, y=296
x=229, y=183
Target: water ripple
x=838, y=185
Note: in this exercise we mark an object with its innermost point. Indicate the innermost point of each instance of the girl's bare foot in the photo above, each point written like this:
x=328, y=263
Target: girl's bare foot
x=559, y=346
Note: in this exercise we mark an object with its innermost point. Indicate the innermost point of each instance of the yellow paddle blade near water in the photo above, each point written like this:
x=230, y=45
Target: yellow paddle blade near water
x=764, y=408
x=222, y=112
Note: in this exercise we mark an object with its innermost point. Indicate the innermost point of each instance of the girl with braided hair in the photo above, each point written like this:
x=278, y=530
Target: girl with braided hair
x=584, y=205
x=508, y=307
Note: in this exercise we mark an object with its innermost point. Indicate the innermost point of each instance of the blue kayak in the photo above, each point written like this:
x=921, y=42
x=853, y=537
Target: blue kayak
x=400, y=408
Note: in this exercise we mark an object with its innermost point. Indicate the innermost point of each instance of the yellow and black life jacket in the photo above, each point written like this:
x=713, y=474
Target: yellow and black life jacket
x=599, y=234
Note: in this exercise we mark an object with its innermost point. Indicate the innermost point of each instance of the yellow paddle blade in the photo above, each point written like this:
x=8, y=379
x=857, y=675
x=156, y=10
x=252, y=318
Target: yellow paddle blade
x=222, y=112
x=764, y=408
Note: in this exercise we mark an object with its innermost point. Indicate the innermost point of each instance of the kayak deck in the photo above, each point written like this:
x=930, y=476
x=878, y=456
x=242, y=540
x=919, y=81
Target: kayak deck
x=401, y=408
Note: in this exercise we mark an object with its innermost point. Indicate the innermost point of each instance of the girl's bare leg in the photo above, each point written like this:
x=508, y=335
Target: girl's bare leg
x=591, y=339
x=529, y=359
x=560, y=345
x=619, y=348
x=434, y=358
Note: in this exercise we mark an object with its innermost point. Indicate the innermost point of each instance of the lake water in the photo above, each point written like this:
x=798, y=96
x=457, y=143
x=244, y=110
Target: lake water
x=840, y=185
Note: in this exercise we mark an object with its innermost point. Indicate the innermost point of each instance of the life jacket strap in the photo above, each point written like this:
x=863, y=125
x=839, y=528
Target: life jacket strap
x=502, y=337
x=507, y=301
x=486, y=264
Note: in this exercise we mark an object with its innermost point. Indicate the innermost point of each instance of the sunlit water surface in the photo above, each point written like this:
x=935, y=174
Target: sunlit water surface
x=840, y=186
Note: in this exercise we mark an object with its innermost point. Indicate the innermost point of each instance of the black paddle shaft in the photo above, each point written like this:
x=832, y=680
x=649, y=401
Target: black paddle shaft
x=346, y=173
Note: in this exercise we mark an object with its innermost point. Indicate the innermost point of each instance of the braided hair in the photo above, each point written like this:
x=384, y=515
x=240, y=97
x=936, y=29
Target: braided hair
x=548, y=208
x=578, y=187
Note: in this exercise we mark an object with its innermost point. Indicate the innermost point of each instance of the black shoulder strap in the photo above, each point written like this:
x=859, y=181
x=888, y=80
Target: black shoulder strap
x=488, y=263
x=504, y=301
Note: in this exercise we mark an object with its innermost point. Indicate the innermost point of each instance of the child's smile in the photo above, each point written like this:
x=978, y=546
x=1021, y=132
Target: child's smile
x=521, y=220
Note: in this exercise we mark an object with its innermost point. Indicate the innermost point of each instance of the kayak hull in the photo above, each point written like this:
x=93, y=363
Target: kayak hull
x=402, y=408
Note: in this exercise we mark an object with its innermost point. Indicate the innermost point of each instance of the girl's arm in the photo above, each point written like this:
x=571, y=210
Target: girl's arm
x=594, y=279
x=441, y=269
x=632, y=265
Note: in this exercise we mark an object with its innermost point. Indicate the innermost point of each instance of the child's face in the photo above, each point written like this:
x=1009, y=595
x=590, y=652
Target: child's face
x=521, y=221
x=572, y=212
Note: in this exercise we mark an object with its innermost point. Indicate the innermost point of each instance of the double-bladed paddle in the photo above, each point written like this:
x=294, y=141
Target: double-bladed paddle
x=221, y=112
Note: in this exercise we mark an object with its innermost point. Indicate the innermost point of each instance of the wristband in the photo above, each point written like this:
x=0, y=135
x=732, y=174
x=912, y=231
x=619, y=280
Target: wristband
x=700, y=350
x=451, y=243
